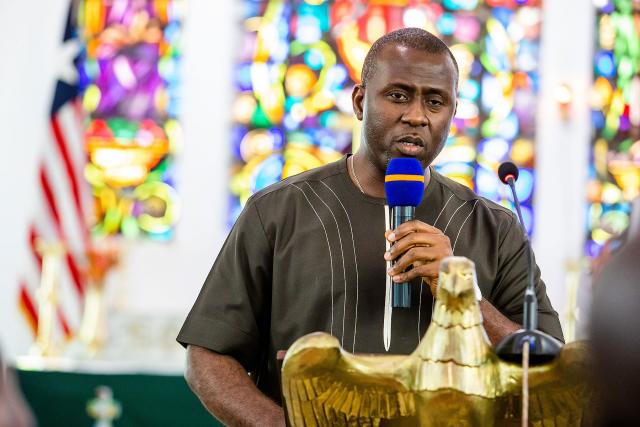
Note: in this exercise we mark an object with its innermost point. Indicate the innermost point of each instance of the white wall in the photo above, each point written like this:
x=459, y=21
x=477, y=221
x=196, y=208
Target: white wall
x=26, y=70
x=165, y=278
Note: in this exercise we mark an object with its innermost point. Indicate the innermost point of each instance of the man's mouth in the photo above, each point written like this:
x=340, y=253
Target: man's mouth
x=411, y=140
x=410, y=145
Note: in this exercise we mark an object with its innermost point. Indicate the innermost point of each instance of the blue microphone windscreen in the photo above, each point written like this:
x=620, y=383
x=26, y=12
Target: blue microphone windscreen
x=404, y=182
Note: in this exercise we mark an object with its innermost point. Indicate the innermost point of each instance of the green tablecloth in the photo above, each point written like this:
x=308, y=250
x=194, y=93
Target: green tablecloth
x=59, y=399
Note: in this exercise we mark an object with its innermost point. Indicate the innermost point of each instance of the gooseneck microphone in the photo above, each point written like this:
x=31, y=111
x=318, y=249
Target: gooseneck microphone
x=404, y=188
x=542, y=347
x=508, y=174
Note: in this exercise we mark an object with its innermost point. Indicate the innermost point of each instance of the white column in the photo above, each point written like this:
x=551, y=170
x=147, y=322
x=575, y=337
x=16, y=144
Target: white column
x=562, y=145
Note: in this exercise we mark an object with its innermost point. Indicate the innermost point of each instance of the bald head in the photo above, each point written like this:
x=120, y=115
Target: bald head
x=414, y=38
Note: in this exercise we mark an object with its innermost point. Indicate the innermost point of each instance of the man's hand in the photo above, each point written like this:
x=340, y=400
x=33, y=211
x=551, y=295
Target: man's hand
x=421, y=246
x=418, y=245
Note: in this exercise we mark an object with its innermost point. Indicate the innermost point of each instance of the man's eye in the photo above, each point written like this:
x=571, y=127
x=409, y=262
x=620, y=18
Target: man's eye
x=397, y=96
x=435, y=102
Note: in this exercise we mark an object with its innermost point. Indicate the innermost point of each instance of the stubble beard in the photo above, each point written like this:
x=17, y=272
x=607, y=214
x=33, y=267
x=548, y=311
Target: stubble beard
x=374, y=159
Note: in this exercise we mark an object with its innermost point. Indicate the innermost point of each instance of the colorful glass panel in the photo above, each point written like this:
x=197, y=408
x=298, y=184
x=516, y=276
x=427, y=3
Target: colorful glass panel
x=130, y=81
x=614, y=173
x=300, y=60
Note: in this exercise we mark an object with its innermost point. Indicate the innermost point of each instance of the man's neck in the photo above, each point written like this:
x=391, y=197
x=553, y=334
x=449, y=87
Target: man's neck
x=369, y=178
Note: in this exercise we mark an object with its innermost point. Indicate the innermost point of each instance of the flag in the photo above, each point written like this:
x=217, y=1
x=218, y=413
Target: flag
x=63, y=200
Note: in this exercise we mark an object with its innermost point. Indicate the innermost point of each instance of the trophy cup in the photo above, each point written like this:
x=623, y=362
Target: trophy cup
x=47, y=294
x=93, y=327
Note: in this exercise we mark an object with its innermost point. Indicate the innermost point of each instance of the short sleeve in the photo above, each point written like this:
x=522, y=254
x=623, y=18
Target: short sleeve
x=231, y=314
x=511, y=282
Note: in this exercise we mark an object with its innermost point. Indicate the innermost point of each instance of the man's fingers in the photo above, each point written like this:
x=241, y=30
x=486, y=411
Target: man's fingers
x=409, y=227
x=415, y=240
x=417, y=256
x=427, y=271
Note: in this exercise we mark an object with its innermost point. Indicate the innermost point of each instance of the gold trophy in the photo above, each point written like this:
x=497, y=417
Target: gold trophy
x=93, y=327
x=47, y=294
x=573, y=269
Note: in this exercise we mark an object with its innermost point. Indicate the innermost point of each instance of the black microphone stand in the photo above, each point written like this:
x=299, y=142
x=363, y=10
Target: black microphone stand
x=542, y=347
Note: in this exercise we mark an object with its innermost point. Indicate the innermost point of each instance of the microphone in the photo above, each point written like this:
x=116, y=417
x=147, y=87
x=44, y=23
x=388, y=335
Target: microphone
x=404, y=188
x=542, y=347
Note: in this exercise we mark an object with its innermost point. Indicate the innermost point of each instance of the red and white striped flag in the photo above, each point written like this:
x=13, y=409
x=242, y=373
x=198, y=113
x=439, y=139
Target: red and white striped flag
x=63, y=202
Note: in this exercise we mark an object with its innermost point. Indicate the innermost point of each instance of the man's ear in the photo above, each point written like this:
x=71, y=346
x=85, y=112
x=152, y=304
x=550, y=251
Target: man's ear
x=357, y=100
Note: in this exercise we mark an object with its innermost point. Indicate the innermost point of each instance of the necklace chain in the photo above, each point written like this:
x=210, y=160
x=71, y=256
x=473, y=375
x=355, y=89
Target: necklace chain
x=355, y=175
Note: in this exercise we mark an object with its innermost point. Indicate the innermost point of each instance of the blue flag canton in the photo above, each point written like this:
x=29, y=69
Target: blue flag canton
x=66, y=91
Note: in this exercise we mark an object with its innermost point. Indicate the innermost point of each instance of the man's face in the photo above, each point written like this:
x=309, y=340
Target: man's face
x=407, y=106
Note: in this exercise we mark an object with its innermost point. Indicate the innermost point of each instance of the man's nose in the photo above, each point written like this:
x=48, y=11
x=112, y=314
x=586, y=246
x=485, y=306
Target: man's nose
x=415, y=114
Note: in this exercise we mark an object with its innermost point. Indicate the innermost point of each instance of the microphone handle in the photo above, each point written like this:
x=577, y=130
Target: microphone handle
x=401, y=295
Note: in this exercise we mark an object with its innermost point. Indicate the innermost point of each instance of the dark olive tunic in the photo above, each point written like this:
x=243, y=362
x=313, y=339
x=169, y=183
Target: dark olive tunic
x=306, y=255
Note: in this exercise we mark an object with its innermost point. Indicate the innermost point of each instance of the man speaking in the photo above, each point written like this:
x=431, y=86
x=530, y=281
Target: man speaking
x=309, y=253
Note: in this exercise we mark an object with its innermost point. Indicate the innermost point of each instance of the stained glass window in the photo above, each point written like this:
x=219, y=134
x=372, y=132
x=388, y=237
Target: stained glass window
x=300, y=60
x=129, y=75
x=614, y=171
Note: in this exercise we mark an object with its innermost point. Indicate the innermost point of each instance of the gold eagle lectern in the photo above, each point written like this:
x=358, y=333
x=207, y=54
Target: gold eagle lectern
x=453, y=378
